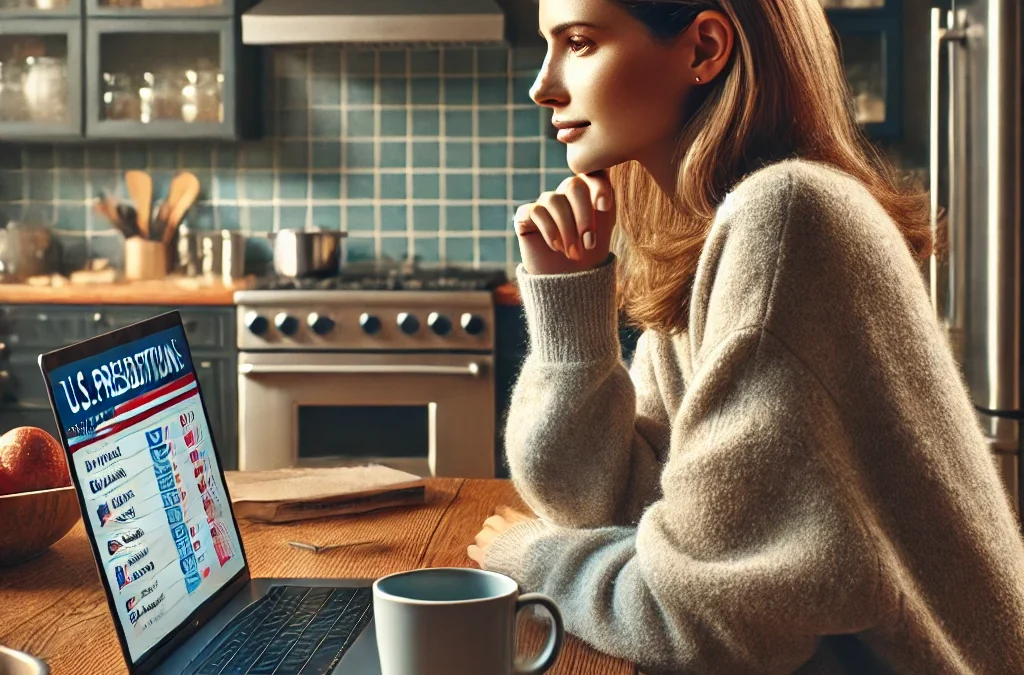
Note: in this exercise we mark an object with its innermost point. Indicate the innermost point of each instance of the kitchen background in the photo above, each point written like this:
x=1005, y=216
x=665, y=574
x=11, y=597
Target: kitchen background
x=414, y=152
x=417, y=152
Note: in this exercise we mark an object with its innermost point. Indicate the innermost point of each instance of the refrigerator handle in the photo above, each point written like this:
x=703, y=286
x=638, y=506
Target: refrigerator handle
x=947, y=160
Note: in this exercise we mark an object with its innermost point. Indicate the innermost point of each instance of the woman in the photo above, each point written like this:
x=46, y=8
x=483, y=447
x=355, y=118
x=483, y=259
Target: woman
x=790, y=478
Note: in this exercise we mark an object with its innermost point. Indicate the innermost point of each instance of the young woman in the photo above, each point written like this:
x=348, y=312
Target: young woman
x=790, y=477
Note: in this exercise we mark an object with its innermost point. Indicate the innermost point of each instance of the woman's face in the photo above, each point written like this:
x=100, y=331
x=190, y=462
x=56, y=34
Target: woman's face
x=619, y=92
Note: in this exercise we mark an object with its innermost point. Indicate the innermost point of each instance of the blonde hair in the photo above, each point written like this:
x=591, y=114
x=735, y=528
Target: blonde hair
x=784, y=94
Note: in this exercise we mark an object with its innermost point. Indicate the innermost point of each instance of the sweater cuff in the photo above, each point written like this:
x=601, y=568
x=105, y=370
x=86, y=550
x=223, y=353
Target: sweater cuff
x=572, y=317
x=509, y=552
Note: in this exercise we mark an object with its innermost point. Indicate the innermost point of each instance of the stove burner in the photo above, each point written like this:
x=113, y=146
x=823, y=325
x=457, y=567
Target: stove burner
x=378, y=277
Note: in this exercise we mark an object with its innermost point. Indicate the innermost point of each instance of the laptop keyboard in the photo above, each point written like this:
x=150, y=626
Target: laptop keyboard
x=292, y=630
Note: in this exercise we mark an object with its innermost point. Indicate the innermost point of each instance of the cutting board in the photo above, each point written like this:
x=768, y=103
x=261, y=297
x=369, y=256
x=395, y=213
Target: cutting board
x=287, y=495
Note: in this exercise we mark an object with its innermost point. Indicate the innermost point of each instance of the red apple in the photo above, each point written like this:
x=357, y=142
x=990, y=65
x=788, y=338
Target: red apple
x=31, y=459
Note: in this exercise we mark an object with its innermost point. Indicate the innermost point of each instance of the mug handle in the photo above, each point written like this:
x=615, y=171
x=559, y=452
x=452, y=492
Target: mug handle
x=553, y=646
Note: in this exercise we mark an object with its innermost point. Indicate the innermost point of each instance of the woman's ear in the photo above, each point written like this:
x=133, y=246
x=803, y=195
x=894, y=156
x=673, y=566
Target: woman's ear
x=708, y=44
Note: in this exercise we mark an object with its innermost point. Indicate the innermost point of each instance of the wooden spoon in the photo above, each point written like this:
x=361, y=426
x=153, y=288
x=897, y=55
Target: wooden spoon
x=189, y=190
x=140, y=187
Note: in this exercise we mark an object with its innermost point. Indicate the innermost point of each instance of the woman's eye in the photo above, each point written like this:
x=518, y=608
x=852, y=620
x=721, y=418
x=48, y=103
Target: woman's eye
x=578, y=44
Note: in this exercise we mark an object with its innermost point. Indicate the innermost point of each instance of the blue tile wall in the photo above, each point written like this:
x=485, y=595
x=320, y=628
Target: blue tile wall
x=415, y=152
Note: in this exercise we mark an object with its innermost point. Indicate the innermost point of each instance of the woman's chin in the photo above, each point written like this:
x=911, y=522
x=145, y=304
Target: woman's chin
x=582, y=161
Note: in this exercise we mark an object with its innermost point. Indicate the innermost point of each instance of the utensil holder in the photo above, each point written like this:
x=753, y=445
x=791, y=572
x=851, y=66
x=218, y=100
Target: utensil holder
x=144, y=259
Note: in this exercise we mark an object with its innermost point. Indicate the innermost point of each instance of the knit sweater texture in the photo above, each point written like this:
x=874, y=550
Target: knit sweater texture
x=796, y=483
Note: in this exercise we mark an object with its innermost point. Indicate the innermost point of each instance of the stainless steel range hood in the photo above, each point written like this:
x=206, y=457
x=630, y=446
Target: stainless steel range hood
x=281, y=22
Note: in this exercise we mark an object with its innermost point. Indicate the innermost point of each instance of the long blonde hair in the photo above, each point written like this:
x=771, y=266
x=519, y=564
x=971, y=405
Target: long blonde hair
x=783, y=95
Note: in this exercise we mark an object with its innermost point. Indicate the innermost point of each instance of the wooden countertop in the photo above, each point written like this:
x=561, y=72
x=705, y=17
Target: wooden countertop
x=54, y=606
x=175, y=291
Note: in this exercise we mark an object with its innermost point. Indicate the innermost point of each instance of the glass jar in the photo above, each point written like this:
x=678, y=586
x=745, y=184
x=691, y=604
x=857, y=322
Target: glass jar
x=167, y=87
x=13, y=105
x=120, y=97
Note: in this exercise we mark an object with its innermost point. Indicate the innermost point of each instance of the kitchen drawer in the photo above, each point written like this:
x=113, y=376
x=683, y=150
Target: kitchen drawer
x=23, y=381
x=45, y=327
x=205, y=329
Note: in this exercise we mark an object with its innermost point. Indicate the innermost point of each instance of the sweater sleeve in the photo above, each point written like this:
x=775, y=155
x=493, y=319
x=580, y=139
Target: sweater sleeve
x=753, y=551
x=584, y=442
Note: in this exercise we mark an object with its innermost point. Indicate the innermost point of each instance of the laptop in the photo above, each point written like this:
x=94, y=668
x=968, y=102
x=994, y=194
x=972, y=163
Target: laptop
x=158, y=515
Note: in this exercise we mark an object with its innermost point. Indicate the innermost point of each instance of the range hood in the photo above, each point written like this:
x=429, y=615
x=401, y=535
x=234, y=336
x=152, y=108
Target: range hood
x=283, y=22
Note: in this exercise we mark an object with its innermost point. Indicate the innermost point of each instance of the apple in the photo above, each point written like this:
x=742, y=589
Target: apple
x=31, y=459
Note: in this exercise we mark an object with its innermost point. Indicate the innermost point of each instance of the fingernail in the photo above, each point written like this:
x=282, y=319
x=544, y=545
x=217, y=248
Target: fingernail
x=558, y=246
x=588, y=240
x=602, y=203
x=573, y=252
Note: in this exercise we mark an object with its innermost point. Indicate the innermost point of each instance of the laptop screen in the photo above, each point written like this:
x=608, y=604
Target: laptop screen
x=144, y=462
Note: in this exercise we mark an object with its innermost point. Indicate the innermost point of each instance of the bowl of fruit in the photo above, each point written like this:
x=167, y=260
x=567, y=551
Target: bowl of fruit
x=38, y=505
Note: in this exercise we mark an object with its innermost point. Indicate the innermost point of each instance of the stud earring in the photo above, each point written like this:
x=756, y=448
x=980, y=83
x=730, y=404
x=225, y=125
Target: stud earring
x=698, y=79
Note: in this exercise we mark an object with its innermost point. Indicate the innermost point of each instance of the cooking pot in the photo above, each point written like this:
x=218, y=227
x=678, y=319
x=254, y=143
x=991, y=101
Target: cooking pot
x=307, y=253
x=27, y=251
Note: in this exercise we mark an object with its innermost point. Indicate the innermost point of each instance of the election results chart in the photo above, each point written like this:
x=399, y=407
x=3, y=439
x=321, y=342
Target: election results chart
x=144, y=460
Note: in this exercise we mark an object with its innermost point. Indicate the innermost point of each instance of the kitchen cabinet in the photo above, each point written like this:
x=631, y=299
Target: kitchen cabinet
x=40, y=81
x=163, y=78
x=870, y=37
x=39, y=9
x=127, y=69
x=28, y=330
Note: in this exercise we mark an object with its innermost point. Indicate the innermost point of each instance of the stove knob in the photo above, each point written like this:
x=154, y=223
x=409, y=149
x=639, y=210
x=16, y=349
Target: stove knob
x=286, y=323
x=369, y=323
x=320, y=324
x=408, y=323
x=257, y=324
x=439, y=323
x=472, y=324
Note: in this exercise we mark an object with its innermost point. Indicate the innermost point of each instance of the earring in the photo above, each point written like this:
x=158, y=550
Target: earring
x=698, y=79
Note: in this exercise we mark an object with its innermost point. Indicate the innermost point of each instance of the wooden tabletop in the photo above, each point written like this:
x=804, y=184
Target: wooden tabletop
x=174, y=291
x=53, y=606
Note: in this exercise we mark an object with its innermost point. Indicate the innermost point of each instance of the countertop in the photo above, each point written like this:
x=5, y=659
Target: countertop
x=174, y=291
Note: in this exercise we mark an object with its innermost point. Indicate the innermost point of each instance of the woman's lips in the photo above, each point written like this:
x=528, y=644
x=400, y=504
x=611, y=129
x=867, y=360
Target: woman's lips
x=570, y=134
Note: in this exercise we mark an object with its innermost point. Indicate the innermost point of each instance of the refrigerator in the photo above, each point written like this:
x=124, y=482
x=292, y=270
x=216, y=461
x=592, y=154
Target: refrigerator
x=976, y=177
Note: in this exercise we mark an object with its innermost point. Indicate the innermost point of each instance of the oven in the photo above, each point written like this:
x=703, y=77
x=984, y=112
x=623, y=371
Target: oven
x=345, y=378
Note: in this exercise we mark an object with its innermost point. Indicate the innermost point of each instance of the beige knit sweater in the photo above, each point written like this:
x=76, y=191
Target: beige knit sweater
x=795, y=484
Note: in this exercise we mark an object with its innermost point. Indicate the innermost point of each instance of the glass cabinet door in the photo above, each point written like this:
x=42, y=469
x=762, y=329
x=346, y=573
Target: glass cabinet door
x=138, y=8
x=852, y=4
x=870, y=51
x=172, y=79
x=40, y=78
x=39, y=8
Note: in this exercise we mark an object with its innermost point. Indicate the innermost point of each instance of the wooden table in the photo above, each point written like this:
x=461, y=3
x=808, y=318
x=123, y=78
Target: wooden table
x=53, y=606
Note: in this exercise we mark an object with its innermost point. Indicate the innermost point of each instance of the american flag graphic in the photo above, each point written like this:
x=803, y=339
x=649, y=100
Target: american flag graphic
x=138, y=410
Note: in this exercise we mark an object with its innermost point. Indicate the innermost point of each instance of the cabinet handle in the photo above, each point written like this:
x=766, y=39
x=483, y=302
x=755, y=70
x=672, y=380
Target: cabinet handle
x=191, y=325
x=4, y=351
x=97, y=318
x=205, y=364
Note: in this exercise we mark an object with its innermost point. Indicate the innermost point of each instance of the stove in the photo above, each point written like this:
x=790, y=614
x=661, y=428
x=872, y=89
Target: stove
x=383, y=364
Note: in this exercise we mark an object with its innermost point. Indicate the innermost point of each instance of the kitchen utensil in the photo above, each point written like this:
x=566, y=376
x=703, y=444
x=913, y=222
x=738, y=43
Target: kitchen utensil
x=232, y=256
x=27, y=251
x=140, y=187
x=31, y=522
x=307, y=253
x=183, y=192
x=157, y=226
x=13, y=662
x=144, y=259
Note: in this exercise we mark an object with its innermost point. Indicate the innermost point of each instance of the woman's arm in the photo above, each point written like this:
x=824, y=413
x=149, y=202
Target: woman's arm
x=755, y=550
x=585, y=442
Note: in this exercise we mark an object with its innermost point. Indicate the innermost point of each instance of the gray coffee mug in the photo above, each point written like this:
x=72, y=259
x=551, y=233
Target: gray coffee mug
x=456, y=621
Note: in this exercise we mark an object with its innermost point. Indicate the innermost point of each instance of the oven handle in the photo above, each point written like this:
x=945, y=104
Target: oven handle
x=471, y=369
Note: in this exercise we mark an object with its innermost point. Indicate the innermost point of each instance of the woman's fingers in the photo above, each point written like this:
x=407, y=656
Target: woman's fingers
x=560, y=209
x=577, y=193
x=532, y=218
x=601, y=192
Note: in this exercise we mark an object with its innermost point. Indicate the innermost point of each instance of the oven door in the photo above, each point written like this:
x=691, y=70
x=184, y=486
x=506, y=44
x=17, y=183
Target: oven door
x=428, y=414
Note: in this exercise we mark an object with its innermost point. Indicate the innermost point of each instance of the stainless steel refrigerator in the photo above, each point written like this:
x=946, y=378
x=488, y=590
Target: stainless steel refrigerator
x=977, y=176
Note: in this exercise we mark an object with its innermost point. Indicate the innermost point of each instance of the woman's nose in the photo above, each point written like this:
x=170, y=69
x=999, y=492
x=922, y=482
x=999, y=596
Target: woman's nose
x=545, y=90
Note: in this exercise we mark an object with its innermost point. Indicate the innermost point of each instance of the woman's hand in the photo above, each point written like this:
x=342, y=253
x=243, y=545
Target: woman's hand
x=503, y=519
x=570, y=229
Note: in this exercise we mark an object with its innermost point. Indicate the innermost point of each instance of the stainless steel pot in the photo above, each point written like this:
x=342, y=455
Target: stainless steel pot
x=307, y=253
x=211, y=253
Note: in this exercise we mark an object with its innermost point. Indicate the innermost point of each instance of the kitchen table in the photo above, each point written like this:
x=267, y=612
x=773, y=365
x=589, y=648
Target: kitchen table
x=54, y=608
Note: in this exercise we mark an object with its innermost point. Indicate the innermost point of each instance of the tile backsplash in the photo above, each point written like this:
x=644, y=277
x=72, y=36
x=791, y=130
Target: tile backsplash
x=415, y=152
